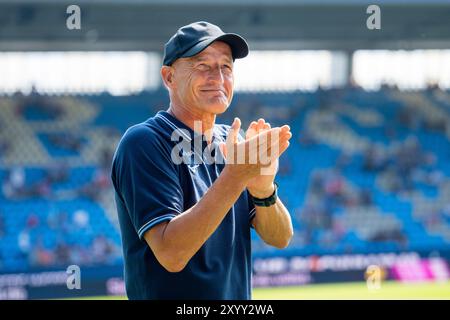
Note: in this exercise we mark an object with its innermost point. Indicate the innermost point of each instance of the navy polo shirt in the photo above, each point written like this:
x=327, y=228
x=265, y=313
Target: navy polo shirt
x=150, y=188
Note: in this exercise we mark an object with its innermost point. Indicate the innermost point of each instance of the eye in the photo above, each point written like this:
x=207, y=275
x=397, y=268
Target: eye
x=203, y=66
x=227, y=67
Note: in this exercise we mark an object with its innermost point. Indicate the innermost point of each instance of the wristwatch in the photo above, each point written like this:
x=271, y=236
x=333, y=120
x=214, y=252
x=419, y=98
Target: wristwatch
x=266, y=202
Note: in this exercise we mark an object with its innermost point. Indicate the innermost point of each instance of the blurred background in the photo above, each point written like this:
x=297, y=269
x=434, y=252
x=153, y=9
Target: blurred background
x=366, y=178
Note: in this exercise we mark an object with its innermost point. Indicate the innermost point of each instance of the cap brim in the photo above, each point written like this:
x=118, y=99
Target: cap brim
x=238, y=45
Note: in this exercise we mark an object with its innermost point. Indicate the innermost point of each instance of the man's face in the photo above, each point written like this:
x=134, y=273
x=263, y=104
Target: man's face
x=204, y=82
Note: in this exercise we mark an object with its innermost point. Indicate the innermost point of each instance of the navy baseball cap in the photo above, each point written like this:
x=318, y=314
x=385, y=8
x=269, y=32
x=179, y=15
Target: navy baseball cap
x=195, y=37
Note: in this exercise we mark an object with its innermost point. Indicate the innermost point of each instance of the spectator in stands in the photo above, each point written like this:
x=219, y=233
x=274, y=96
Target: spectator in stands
x=62, y=253
x=432, y=87
x=435, y=125
x=81, y=219
x=101, y=179
x=101, y=182
x=365, y=197
x=103, y=251
x=5, y=147
x=409, y=119
x=435, y=178
x=24, y=245
x=332, y=236
x=106, y=155
x=338, y=230
x=63, y=222
x=391, y=180
x=41, y=256
x=307, y=221
x=32, y=221
x=68, y=141
x=407, y=163
x=80, y=255
x=14, y=186
x=2, y=225
x=391, y=235
x=81, y=224
x=46, y=105
x=316, y=215
x=408, y=157
x=323, y=98
x=334, y=184
x=374, y=159
x=41, y=189
x=317, y=183
x=433, y=217
x=57, y=172
x=14, y=183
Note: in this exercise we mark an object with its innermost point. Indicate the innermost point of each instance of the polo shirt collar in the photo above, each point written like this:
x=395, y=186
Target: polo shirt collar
x=176, y=124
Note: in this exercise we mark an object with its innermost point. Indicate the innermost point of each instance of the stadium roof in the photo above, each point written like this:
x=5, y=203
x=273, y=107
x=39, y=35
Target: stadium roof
x=287, y=24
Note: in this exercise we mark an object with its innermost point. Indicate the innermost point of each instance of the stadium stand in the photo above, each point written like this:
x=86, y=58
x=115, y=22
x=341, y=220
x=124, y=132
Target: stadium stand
x=367, y=171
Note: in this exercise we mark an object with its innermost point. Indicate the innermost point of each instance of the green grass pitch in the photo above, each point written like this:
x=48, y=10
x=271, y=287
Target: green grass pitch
x=348, y=291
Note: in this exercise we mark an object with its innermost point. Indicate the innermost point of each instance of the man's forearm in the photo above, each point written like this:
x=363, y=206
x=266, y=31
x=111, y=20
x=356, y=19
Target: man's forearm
x=183, y=236
x=273, y=224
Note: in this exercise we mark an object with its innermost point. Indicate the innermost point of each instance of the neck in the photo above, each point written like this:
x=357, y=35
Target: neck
x=199, y=122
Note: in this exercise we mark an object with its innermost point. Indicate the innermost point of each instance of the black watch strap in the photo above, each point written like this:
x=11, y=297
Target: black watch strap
x=266, y=202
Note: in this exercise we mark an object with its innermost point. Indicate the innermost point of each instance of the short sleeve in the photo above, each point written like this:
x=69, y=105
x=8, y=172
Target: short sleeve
x=146, y=179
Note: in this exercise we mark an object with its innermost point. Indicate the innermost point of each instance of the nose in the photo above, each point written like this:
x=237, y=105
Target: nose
x=216, y=75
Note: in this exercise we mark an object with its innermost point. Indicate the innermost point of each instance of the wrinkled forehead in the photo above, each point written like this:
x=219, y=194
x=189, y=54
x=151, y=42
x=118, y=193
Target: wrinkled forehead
x=217, y=50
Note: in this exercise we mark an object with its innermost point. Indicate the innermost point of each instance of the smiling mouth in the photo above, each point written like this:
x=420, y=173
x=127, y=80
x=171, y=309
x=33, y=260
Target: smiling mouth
x=214, y=90
x=215, y=94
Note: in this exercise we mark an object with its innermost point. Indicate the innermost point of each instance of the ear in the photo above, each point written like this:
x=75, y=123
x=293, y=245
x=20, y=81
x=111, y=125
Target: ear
x=167, y=76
